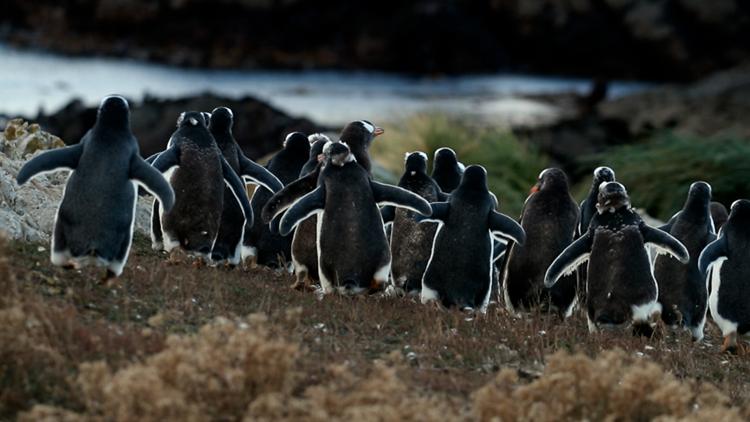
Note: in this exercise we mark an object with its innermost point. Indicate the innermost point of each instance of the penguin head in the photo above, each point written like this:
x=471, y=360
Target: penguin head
x=338, y=153
x=317, y=142
x=114, y=111
x=191, y=119
x=297, y=144
x=740, y=208
x=475, y=177
x=220, y=120
x=551, y=178
x=603, y=174
x=612, y=197
x=415, y=162
x=445, y=157
x=700, y=190
x=360, y=132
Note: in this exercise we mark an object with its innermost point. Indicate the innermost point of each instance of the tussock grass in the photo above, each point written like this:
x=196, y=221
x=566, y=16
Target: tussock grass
x=658, y=171
x=512, y=166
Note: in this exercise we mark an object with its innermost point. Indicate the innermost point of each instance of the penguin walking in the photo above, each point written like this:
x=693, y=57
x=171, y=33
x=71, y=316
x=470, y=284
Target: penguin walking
x=620, y=286
x=459, y=271
x=197, y=172
x=682, y=289
x=353, y=254
x=411, y=242
x=549, y=219
x=446, y=169
x=94, y=221
x=727, y=262
x=265, y=247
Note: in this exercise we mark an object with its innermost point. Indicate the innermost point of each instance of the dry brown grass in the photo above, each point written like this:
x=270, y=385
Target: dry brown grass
x=176, y=342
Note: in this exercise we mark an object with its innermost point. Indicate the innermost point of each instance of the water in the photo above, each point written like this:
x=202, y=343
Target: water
x=31, y=80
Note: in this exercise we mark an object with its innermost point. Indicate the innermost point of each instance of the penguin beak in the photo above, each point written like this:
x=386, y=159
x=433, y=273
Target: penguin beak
x=321, y=157
x=534, y=189
x=377, y=131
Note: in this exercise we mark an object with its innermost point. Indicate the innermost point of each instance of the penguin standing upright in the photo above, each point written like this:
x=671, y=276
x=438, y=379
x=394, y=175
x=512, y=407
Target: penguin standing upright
x=411, y=242
x=620, y=286
x=359, y=135
x=549, y=219
x=353, y=254
x=719, y=215
x=459, y=272
x=197, y=172
x=682, y=289
x=446, y=169
x=272, y=249
x=728, y=259
x=94, y=222
x=229, y=245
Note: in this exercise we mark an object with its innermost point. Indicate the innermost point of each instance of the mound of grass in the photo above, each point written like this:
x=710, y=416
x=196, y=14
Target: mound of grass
x=512, y=166
x=659, y=171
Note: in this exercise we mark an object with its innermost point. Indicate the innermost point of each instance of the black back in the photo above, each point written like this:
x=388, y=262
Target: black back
x=734, y=296
x=719, y=215
x=446, y=170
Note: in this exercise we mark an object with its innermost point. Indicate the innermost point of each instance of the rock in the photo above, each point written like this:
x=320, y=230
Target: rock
x=28, y=212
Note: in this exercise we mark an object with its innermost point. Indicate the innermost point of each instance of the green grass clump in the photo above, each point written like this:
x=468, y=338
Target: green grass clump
x=659, y=170
x=512, y=165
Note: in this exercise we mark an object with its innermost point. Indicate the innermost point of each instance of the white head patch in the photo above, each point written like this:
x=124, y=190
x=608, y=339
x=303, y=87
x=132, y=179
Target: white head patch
x=193, y=121
x=315, y=137
x=370, y=128
x=542, y=173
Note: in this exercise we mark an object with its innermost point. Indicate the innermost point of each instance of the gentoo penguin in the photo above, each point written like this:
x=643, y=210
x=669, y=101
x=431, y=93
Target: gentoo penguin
x=197, y=172
x=411, y=242
x=682, y=290
x=353, y=254
x=459, y=272
x=620, y=286
x=549, y=219
x=228, y=245
x=728, y=259
x=359, y=135
x=272, y=249
x=94, y=222
x=446, y=169
x=718, y=214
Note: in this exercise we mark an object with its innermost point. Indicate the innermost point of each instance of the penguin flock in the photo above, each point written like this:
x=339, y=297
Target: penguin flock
x=317, y=211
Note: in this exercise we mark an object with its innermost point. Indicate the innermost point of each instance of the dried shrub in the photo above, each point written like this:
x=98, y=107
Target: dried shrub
x=614, y=386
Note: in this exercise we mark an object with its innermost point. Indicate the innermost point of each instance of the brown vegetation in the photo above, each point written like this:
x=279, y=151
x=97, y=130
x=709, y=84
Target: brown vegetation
x=176, y=342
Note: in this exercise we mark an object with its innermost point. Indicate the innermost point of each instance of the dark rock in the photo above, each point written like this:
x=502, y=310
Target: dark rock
x=259, y=128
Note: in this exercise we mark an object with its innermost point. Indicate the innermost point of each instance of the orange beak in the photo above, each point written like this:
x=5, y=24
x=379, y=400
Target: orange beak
x=378, y=131
x=534, y=189
x=321, y=157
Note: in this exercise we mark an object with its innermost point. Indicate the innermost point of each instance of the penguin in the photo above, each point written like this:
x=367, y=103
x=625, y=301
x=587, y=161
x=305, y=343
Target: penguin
x=588, y=205
x=620, y=286
x=446, y=169
x=726, y=264
x=719, y=215
x=359, y=135
x=229, y=243
x=271, y=249
x=459, y=271
x=682, y=290
x=197, y=171
x=549, y=219
x=411, y=242
x=94, y=221
x=353, y=254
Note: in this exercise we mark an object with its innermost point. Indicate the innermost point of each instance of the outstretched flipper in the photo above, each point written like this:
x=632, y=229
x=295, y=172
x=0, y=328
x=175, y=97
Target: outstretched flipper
x=439, y=213
x=153, y=181
x=310, y=204
x=152, y=158
x=168, y=159
x=57, y=159
x=668, y=226
x=399, y=197
x=238, y=189
x=284, y=198
x=664, y=243
x=713, y=253
x=259, y=174
x=273, y=226
x=506, y=227
x=388, y=213
x=569, y=259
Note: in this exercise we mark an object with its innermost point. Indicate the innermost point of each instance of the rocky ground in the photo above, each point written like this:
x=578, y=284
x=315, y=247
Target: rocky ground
x=643, y=39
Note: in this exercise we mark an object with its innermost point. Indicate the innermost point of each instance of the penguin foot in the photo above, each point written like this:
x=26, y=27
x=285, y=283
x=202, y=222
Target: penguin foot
x=199, y=262
x=732, y=346
x=176, y=256
x=250, y=263
x=108, y=278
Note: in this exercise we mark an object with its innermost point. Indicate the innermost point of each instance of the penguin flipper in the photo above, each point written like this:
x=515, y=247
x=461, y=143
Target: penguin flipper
x=65, y=158
x=668, y=226
x=273, y=226
x=569, y=259
x=259, y=174
x=664, y=243
x=238, y=189
x=310, y=204
x=439, y=213
x=284, y=198
x=167, y=159
x=712, y=253
x=442, y=196
x=399, y=197
x=152, y=158
x=153, y=181
x=388, y=213
x=506, y=227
